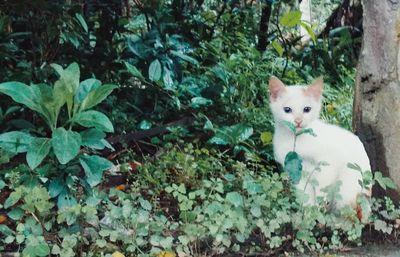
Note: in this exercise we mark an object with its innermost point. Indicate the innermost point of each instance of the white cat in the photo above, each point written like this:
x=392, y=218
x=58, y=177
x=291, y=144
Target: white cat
x=331, y=144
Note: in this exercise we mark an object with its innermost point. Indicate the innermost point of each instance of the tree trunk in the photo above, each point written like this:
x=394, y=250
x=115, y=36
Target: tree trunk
x=377, y=98
x=305, y=8
x=349, y=14
x=263, y=29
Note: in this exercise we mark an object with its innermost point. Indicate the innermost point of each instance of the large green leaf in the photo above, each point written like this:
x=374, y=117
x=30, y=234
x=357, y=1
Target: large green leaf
x=66, y=144
x=94, y=167
x=50, y=102
x=38, y=150
x=96, y=96
x=94, y=119
x=15, y=141
x=22, y=94
x=85, y=87
x=68, y=83
x=293, y=166
x=155, y=70
x=291, y=19
x=69, y=77
x=93, y=138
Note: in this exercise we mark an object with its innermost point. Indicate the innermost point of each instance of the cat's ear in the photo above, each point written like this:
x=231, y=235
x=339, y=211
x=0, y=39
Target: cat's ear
x=315, y=89
x=276, y=87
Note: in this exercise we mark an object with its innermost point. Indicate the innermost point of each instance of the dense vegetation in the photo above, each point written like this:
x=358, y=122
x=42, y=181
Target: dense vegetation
x=142, y=128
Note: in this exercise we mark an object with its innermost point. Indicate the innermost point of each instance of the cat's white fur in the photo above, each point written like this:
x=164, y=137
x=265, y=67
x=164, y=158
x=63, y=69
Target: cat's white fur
x=332, y=144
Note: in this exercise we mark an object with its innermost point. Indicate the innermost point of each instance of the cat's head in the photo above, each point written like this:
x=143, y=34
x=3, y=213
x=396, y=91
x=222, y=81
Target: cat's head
x=299, y=105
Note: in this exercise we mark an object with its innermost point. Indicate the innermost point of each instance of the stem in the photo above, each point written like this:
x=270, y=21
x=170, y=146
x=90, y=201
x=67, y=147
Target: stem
x=308, y=179
x=284, y=45
x=294, y=143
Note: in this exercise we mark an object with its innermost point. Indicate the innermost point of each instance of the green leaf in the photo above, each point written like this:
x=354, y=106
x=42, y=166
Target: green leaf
x=199, y=101
x=56, y=186
x=22, y=94
x=381, y=225
x=68, y=83
x=15, y=141
x=38, y=150
x=208, y=125
x=9, y=239
x=82, y=21
x=5, y=230
x=65, y=199
x=145, y=204
x=293, y=166
x=221, y=73
x=40, y=249
x=354, y=166
x=241, y=132
x=291, y=19
x=184, y=57
x=306, y=131
x=235, y=199
x=66, y=144
x=93, y=138
x=58, y=68
x=94, y=167
x=266, y=137
x=145, y=124
x=101, y=243
x=155, y=70
x=13, y=198
x=50, y=102
x=231, y=135
x=133, y=70
x=278, y=47
x=96, y=96
x=309, y=30
x=384, y=182
x=167, y=79
x=290, y=126
x=255, y=211
x=94, y=119
x=85, y=87
x=68, y=77
x=2, y=184
x=16, y=213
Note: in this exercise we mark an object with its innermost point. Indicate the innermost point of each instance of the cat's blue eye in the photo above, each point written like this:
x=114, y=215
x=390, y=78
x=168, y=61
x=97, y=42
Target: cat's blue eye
x=287, y=109
x=307, y=109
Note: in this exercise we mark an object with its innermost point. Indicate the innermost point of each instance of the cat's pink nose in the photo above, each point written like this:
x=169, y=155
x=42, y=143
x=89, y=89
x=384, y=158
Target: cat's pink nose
x=298, y=121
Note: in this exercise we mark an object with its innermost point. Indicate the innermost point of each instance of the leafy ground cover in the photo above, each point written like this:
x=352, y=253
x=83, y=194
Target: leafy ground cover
x=144, y=130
